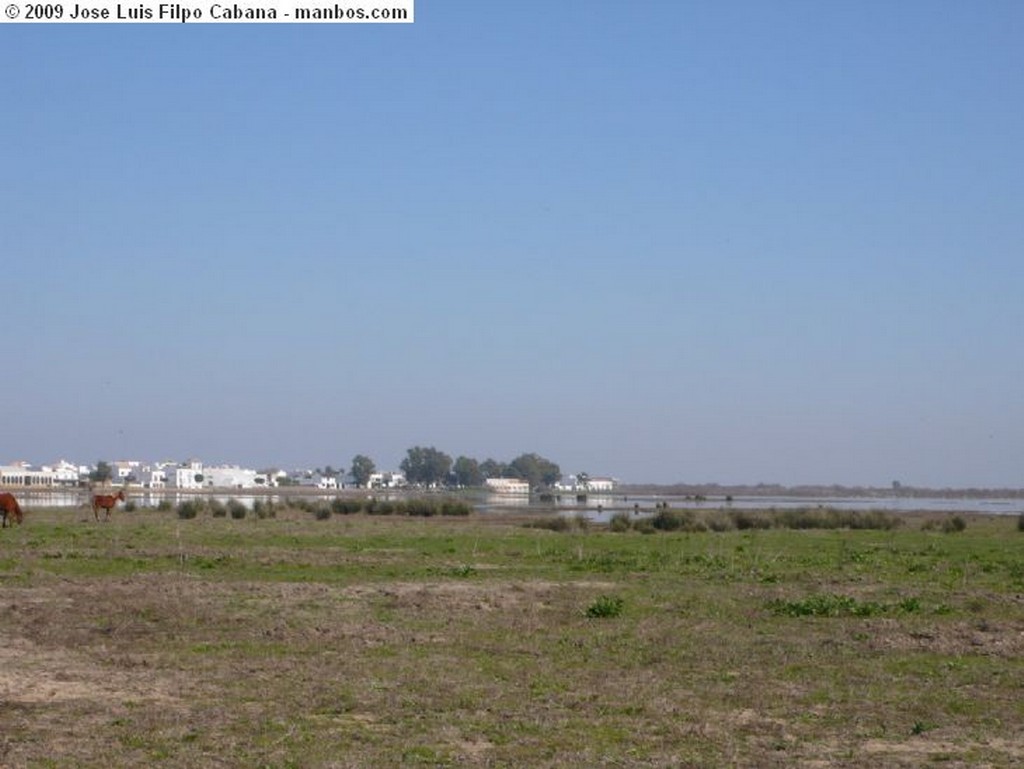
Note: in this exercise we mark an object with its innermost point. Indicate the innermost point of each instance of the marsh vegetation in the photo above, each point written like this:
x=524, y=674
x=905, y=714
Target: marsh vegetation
x=354, y=639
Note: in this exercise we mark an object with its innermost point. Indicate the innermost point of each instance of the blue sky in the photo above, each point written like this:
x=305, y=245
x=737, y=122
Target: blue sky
x=666, y=241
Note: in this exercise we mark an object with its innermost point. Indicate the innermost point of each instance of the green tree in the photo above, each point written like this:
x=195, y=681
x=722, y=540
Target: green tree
x=467, y=472
x=102, y=473
x=535, y=470
x=426, y=465
x=362, y=468
x=491, y=469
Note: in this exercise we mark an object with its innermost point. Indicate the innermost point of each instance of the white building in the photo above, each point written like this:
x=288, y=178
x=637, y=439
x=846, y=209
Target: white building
x=233, y=477
x=601, y=484
x=575, y=483
x=22, y=474
x=153, y=476
x=187, y=475
x=65, y=473
x=123, y=470
x=507, y=486
x=325, y=481
x=390, y=480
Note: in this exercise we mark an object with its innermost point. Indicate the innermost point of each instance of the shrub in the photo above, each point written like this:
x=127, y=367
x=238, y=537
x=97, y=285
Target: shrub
x=620, y=522
x=263, y=509
x=832, y=518
x=189, y=508
x=644, y=526
x=216, y=508
x=1020, y=522
x=877, y=519
x=164, y=505
x=800, y=518
x=605, y=606
x=425, y=508
x=346, y=506
x=744, y=520
x=237, y=509
x=555, y=523
x=455, y=507
x=386, y=507
x=676, y=520
x=130, y=507
x=954, y=524
x=719, y=521
x=666, y=520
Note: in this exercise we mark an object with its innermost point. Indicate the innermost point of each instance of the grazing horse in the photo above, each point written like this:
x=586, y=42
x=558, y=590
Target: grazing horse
x=106, y=501
x=9, y=507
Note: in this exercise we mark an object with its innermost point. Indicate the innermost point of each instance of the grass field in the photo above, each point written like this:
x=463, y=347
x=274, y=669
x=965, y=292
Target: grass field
x=369, y=641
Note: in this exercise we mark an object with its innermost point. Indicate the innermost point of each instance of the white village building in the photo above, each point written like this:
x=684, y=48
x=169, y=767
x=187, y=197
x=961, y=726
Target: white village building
x=507, y=486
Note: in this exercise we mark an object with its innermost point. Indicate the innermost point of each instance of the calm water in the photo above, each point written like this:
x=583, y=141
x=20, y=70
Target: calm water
x=601, y=508
x=598, y=507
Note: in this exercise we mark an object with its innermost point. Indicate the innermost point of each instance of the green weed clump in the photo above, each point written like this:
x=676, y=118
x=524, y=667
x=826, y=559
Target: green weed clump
x=832, y=605
x=605, y=606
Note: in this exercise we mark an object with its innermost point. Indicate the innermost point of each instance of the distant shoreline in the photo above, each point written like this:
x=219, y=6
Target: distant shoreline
x=708, y=491
x=835, y=491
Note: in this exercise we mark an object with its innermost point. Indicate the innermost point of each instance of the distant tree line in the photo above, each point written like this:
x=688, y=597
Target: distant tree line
x=429, y=466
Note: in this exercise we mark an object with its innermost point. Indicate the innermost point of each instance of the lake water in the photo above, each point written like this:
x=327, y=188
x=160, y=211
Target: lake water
x=603, y=507
x=596, y=507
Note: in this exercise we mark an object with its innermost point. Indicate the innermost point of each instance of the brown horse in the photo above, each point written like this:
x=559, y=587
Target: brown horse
x=106, y=501
x=9, y=507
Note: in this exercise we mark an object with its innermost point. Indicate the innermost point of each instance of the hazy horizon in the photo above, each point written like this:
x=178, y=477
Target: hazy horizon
x=672, y=242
